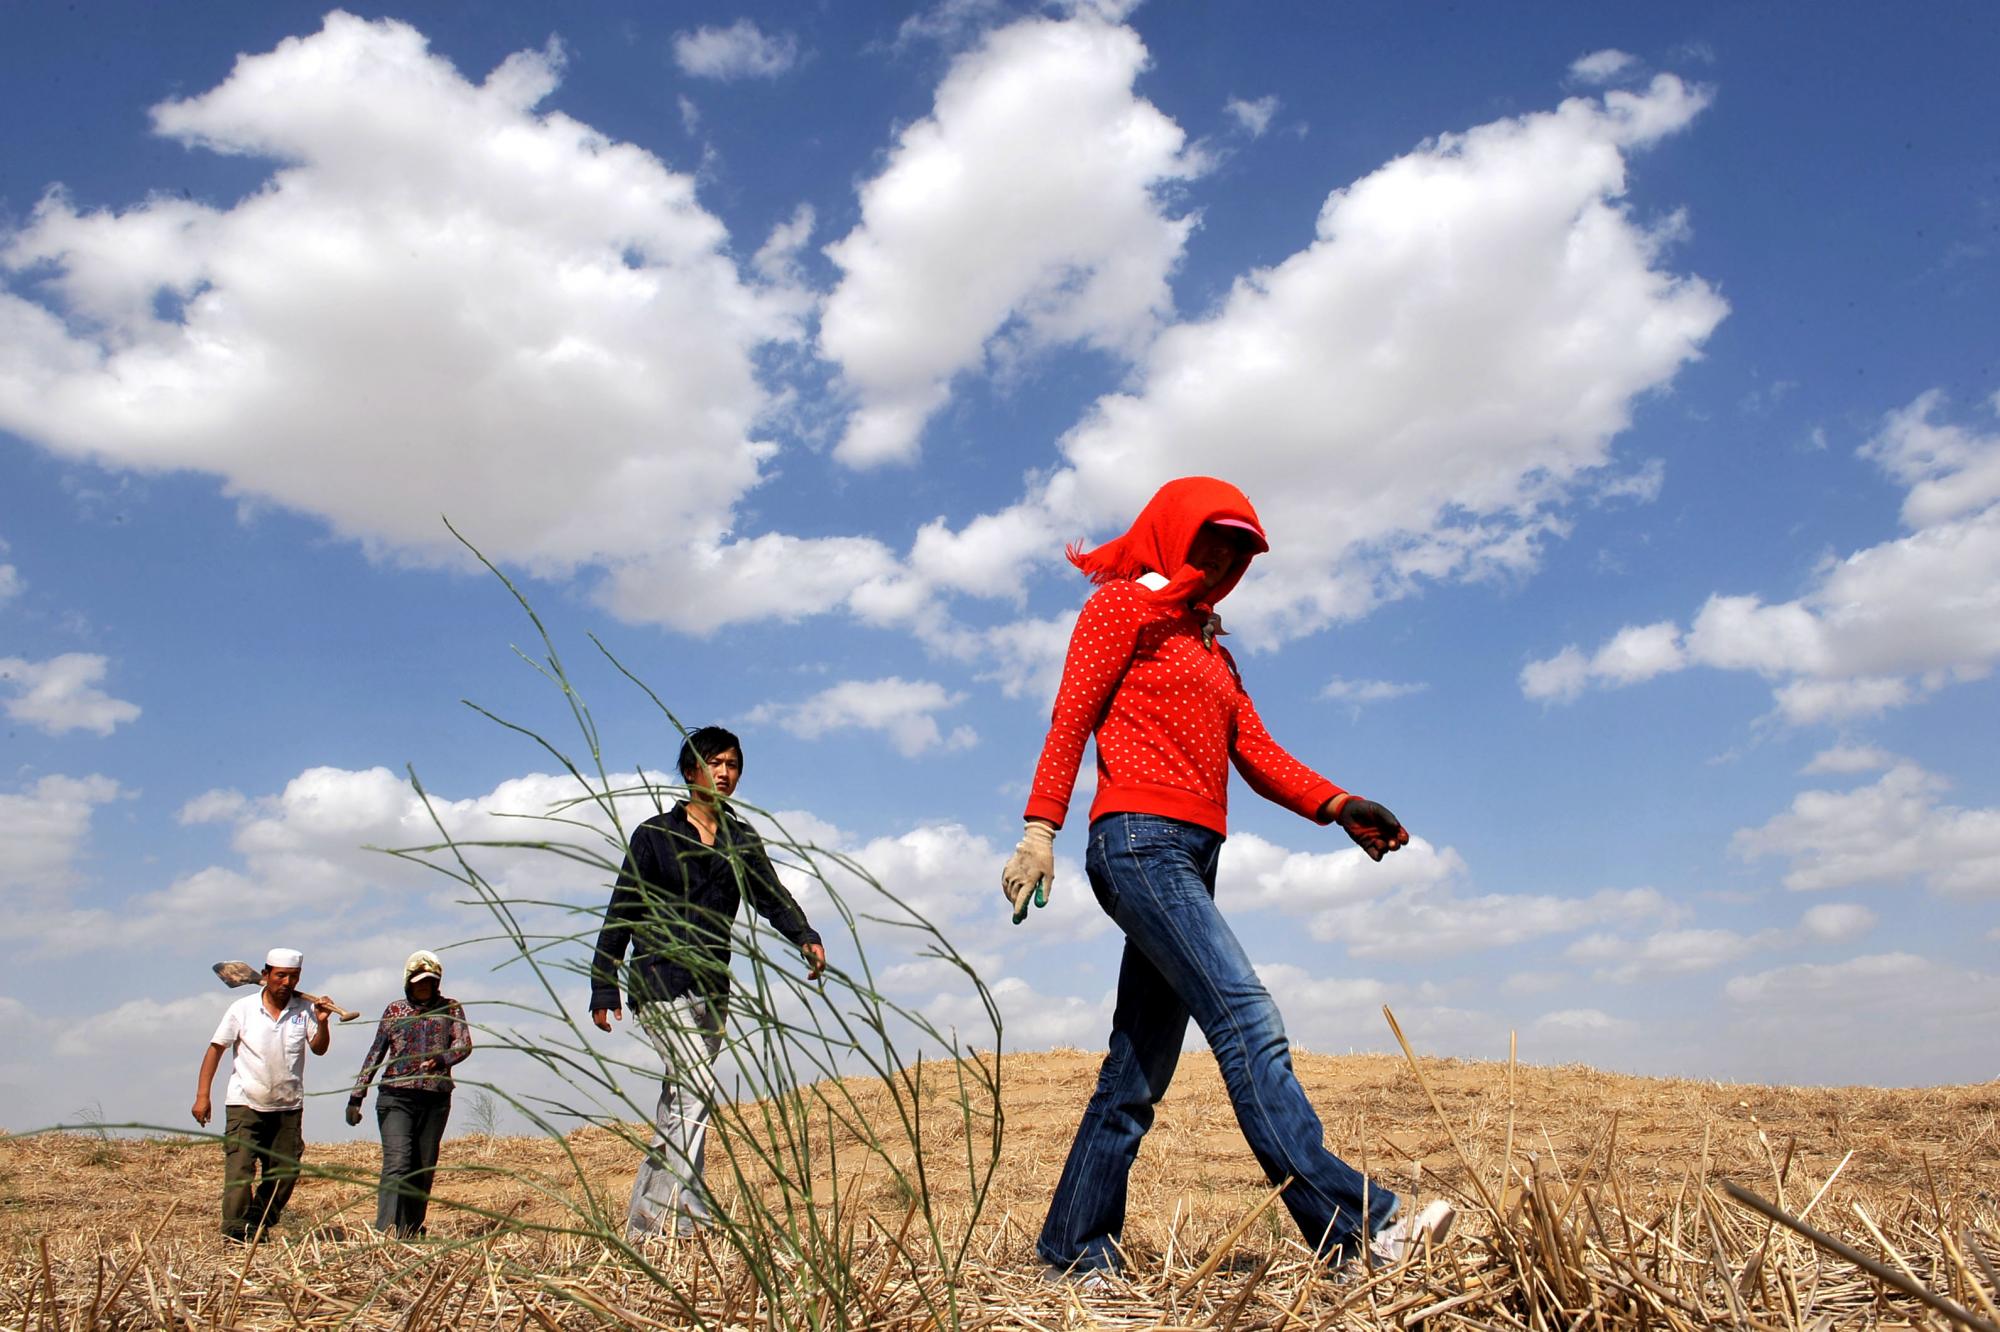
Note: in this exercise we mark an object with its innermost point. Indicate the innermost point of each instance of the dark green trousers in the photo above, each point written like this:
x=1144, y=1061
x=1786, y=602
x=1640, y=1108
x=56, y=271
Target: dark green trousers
x=260, y=1163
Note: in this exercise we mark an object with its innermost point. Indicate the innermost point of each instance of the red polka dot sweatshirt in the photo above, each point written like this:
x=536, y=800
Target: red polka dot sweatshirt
x=1164, y=701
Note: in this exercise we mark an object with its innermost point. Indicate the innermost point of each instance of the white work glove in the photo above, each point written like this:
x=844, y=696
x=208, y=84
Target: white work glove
x=1031, y=871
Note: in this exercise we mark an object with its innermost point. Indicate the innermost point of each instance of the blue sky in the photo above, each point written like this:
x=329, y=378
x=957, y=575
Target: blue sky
x=1619, y=390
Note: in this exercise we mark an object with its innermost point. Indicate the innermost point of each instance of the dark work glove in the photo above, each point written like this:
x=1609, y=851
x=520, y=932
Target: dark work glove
x=354, y=1112
x=1373, y=828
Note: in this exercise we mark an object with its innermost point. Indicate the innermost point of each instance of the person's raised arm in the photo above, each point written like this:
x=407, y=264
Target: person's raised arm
x=322, y=1035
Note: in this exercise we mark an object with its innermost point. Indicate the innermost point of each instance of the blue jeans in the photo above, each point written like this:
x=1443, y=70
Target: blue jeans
x=1155, y=877
x=412, y=1126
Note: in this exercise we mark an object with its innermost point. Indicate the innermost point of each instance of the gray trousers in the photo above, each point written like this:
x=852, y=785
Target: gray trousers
x=412, y=1125
x=669, y=1197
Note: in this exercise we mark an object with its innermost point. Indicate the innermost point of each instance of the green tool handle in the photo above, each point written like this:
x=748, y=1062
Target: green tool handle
x=1040, y=898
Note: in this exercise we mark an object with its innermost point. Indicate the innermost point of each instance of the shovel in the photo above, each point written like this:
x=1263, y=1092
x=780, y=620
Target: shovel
x=236, y=974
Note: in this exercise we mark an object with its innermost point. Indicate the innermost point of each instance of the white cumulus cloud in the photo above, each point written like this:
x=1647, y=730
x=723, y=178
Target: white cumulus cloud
x=1033, y=1019
x=1408, y=402
x=950, y=876
x=304, y=853
x=1667, y=953
x=1352, y=1003
x=138, y=1026
x=1584, y=1022
x=305, y=867
x=1895, y=830
x=1564, y=676
x=740, y=51
x=1880, y=628
x=975, y=232
x=1252, y=115
x=47, y=827
x=1331, y=1014
x=1304, y=883
x=1024, y=657
x=1635, y=653
x=216, y=806
x=61, y=694
x=1601, y=66
x=1416, y=923
x=710, y=584
x=436, y=281
x=1828, y=980
x=1836, y=922
x=1356, y=693
x=1952, y=471
x=1850, y=758
x=903, y=710
x=1408, y=905
x=1894, y=1018
x=423, y=228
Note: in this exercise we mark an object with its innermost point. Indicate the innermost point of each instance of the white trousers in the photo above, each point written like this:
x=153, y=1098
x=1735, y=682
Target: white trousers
x=668, y=1197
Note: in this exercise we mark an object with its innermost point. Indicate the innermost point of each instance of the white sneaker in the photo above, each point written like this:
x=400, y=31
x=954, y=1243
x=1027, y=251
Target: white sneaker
x=1081, y=1278
x=1400, y=1238
x=679, y=1226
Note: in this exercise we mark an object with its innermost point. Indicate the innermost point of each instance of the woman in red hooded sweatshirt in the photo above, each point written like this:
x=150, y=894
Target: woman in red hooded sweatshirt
x=1165, y=702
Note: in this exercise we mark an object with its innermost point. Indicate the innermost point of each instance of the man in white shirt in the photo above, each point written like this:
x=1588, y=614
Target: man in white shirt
x=268, y=1033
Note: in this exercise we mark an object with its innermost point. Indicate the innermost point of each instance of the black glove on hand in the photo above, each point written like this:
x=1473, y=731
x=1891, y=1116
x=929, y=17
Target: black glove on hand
x=354, y=1112
x=1373, y=828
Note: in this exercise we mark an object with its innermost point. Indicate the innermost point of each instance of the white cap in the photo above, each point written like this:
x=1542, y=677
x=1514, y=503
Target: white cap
x=423, y=962
x=284, y=957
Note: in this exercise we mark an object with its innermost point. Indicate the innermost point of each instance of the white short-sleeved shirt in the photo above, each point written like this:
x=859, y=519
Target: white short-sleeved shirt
x=268, y=1068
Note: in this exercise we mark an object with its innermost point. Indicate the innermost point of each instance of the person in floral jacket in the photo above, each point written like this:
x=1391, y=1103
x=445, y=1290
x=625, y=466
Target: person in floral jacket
x=420, y=1037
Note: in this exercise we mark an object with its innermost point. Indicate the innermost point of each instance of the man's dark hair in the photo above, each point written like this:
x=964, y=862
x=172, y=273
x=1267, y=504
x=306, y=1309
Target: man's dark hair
x=704, y=743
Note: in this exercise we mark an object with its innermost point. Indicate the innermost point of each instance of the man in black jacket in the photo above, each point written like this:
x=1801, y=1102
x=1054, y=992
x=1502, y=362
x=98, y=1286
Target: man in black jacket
x=686, y=871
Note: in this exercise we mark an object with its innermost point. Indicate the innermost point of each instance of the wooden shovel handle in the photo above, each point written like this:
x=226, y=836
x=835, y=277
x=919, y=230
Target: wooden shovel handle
x=346, y=1014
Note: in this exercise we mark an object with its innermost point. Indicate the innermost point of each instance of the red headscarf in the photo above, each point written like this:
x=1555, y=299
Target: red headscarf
x=1163, y=533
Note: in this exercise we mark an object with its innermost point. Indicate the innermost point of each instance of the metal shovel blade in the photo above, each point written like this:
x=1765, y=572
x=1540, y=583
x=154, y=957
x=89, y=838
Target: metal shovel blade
x=238, y=973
